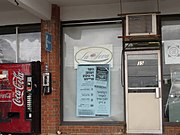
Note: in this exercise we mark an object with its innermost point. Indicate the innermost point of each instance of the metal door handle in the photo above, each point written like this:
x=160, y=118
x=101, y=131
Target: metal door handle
x=157, y=95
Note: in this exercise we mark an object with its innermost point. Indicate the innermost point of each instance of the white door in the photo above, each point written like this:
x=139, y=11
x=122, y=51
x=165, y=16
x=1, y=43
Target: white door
x=143, y=92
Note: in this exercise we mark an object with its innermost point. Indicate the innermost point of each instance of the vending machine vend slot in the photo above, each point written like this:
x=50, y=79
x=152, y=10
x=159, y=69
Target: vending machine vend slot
x=20, y=98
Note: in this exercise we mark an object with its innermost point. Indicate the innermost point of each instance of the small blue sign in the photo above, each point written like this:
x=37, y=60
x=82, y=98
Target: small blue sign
x=48, y=42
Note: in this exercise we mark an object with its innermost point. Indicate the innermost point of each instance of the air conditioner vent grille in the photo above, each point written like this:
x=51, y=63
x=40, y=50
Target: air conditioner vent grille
x=140, y=24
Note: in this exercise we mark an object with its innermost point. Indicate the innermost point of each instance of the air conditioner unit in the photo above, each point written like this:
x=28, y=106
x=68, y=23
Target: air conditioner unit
x=141, y=24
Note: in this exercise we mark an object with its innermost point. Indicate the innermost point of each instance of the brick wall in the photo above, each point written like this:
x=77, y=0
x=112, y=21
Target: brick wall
x=51, y=103
x=95, y=130
x=171, y=130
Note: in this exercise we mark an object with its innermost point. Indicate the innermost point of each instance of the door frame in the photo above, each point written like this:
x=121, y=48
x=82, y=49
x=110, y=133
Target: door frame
x=158, y=52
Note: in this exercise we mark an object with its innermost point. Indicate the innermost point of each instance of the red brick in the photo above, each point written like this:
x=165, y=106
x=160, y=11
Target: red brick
x=50, y=117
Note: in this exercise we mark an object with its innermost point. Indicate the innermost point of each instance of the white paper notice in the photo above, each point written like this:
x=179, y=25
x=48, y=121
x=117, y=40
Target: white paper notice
x=172, y=51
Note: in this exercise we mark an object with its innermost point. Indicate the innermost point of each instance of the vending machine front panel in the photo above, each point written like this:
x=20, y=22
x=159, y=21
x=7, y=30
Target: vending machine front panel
x=13, y=101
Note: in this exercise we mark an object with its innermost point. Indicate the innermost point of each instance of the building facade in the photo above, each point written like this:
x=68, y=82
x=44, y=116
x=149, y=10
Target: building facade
x=102, y=81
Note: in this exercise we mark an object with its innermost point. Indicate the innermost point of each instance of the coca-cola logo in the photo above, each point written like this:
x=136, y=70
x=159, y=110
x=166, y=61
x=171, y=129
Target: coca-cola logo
x=18, y=83
x=5, y=96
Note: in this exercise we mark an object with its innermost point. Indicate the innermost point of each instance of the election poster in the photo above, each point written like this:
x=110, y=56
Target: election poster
x=93, y=90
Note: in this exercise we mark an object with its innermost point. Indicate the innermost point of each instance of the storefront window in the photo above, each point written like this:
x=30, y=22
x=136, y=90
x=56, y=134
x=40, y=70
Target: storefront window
x=30, y=47
x=92, y=86
x=8, y=48
x=171, y=70
x=20, y=47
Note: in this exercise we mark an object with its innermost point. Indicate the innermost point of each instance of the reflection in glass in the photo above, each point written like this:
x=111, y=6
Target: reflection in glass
x=171, y=74
x=30, y=47
x=95, y=35
x=142, y=70
x=173, y=99
x=8, y=48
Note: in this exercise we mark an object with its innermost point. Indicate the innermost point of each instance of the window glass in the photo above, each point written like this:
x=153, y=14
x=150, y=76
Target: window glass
x=171, y=70
x=8, y=48
x=142, y=69
x=99, y=36
x=30, y=47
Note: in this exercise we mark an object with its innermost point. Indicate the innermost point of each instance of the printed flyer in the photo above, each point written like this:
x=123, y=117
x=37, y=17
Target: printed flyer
x=93, y=90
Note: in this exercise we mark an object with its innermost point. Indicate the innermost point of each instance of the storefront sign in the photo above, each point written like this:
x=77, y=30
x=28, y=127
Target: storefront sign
x=93, y=90
x=93, y=55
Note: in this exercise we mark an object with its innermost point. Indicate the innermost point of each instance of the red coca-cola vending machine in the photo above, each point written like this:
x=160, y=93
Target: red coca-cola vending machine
x=20, y=98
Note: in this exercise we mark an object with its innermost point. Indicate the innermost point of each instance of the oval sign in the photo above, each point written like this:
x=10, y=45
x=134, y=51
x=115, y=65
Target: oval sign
x=93, y=55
